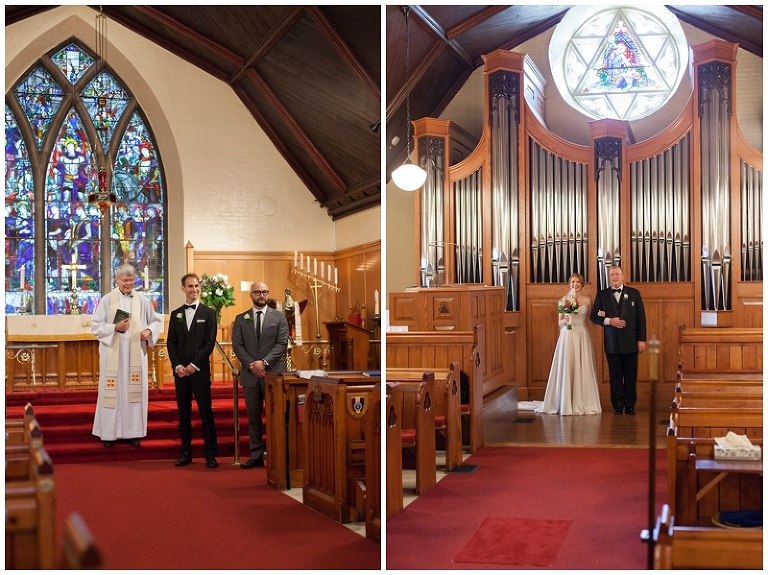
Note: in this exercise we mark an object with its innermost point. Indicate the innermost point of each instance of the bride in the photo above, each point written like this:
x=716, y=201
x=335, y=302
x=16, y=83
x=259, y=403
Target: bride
x=572, y=384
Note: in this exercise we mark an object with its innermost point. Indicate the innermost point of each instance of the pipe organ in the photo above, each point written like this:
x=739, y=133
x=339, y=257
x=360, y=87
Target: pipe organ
x=525, y=209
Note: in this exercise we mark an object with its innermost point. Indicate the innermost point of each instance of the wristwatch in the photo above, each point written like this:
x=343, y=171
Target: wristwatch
x=264, y=361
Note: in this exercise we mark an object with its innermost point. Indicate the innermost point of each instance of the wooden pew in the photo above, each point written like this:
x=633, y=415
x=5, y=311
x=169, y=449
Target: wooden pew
x=335, y=419
x=284, y=397
x=373, y=472
x=686, y=547
x=394, y=455
x=418, y=429
x=447, y=406
x=78, y=548
x=721, y=349
x=20, y=454
x=690, y=443
x=716, y=386
x=432, y=351
x=16, y=428
x=714, y=400
x=30, y=518
x=743, y=376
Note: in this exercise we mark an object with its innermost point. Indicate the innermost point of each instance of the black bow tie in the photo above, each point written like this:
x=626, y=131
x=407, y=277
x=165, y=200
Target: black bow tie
x=617, y=291
x=193, y=306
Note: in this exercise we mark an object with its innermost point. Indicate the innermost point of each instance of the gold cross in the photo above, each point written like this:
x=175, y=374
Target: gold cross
x=73, y=267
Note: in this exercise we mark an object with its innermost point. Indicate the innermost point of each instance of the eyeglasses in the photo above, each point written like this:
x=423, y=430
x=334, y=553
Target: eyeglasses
x=260, y=292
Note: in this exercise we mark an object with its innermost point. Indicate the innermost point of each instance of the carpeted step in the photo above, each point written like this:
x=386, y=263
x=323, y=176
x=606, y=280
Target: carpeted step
x=66, y=419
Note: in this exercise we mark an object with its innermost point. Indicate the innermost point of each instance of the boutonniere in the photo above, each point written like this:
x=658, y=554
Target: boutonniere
x=247, y=317
x=626, y=297
x=179, y=315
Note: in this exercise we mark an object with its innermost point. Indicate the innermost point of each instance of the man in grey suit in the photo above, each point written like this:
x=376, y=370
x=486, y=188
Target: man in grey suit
x=259, y=340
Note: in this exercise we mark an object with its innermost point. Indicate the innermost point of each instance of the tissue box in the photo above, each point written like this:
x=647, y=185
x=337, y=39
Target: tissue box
x=729, y=452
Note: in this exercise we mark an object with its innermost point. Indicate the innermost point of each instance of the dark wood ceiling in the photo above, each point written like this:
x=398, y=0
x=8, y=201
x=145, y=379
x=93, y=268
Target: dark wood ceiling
x=309, y=75
x=448, y=42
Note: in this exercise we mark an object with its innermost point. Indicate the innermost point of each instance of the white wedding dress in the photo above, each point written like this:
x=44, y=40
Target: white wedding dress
x=572, y=385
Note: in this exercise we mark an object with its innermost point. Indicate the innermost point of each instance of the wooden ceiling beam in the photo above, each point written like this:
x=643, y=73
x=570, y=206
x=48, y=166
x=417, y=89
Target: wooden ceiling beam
x=267, y=43
x=309, y=147
x=343, y=50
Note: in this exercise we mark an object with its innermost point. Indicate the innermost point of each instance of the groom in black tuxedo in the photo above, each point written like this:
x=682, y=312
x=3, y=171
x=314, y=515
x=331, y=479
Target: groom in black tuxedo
x=619, y=309
x=191, y=339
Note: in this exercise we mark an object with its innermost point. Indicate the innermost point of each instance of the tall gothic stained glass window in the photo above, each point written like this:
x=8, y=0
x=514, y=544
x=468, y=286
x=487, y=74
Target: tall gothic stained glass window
x=73, y=112
x=618, y=62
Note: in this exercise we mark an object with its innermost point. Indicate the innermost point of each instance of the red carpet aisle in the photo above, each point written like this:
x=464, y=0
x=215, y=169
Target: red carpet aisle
x=152, y=515
x=594, y=499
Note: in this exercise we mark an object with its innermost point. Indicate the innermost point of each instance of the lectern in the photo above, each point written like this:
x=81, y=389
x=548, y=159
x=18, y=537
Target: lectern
x=350, y=346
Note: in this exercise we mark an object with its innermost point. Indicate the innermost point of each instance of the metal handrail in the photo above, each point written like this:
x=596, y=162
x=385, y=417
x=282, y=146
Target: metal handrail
x=235, y=399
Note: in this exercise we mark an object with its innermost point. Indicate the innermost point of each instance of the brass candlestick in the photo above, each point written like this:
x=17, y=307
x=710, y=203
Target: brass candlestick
x=315, y=284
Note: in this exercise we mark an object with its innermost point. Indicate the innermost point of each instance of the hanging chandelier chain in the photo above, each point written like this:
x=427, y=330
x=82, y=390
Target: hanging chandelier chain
x=406, y=10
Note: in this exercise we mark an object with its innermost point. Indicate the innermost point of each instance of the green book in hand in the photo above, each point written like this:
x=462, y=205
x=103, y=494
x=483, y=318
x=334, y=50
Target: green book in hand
x=120, y=315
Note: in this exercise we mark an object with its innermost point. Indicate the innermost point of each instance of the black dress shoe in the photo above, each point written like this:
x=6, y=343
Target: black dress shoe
x=630, y=411
x=136, y=442
x=617, y=411
x=109, y=443
x=211, y=462
x=184, y=460
x=252, y=463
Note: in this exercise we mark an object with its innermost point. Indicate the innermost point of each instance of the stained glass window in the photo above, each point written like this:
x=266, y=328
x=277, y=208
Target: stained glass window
x=618, y=62
x=73, y=232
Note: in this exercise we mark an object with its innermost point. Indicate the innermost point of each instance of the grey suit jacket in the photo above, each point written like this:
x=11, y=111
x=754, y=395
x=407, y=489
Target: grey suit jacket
x=270, y=347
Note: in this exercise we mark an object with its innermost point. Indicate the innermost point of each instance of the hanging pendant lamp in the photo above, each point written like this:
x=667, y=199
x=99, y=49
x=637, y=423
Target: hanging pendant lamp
x=408, y=177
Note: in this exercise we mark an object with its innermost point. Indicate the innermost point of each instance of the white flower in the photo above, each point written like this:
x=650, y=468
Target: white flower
x=219, y=291
x=247, y=317
x=179, y=315
x=626, y=297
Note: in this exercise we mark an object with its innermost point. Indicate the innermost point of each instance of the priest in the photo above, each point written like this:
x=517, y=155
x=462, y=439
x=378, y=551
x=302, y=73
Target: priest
x=125, y=323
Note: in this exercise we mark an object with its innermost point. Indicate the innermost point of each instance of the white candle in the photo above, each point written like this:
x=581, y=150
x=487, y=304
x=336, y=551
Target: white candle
x=307, y=264
x=336, y=276
x=322, y=271
x=301, y=262
x=329, y=273
x=21, y=277
x=375, y=302
x=146, y=278
x=315, y=264
x=295, y=258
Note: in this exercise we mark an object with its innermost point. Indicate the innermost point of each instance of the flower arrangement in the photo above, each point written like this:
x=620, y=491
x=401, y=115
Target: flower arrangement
x=216, y=292
x=568, y=305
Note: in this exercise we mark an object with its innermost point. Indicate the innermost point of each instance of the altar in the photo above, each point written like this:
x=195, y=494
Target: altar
x=45, y=352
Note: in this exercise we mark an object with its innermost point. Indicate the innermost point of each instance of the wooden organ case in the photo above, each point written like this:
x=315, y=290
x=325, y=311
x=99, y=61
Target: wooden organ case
x=680, y=212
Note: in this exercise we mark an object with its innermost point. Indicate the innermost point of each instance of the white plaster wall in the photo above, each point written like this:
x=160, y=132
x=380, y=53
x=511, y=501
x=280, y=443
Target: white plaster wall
x=358, y=229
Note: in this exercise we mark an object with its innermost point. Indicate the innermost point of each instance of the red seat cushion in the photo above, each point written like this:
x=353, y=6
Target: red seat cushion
x=408, y=437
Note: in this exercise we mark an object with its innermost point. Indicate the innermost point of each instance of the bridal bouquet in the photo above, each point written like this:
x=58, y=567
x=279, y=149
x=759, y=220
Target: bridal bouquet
x=568, y=305
x=216, y=292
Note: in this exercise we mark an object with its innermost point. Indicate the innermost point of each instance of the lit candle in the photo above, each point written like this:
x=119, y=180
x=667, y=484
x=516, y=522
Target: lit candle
x=315, y=265
x=295, y=258
x=329, y=273
x=146, y=278
x=307, y=264
x=21, y=277
x=375, y=302
x=301, y=262
x=322, y=271
x=336, y=276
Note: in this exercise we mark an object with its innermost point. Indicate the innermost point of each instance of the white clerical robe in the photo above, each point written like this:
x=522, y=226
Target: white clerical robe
x=127, y=419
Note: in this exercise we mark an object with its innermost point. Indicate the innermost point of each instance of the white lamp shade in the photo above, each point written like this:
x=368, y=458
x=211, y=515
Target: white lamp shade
x=409, y=177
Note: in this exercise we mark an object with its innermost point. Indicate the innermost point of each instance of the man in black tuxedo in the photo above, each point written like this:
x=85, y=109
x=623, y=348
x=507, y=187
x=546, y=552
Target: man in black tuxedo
x=259, y=340
x=619, y=309
x=191, y=339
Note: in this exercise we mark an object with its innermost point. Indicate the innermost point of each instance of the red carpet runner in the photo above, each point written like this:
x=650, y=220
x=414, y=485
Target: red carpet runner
x=594, y=502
